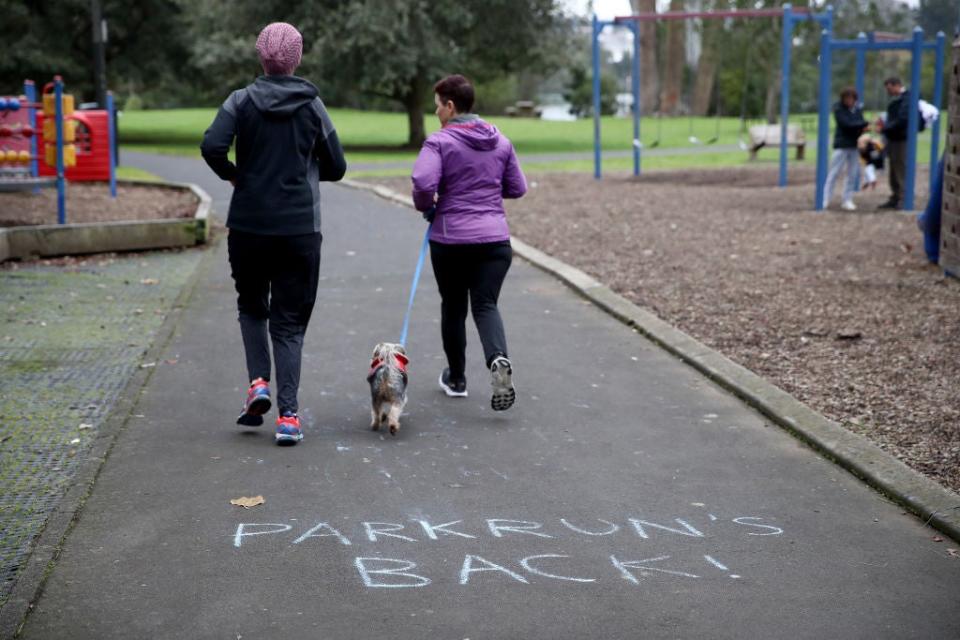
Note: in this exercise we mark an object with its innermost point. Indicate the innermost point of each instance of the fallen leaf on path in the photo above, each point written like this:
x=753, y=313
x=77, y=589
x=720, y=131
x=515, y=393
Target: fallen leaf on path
x=149, y=281
x=171, y=361
x=147, y=365
x=849, y=334
x=247, y=503
x=937, y=539
x=84, y=426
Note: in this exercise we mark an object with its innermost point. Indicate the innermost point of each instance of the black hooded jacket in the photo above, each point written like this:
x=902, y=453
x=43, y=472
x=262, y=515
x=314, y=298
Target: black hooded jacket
x=850, y=124
x=895, y=127
x=286, y=145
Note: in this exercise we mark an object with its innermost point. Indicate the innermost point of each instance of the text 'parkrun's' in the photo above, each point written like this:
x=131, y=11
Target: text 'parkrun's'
x=559, y=561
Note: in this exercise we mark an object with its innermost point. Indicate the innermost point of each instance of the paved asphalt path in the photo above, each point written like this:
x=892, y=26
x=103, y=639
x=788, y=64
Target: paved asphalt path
x=623, y=497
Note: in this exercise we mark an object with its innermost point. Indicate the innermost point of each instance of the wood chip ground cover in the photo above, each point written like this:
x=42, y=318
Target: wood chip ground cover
x=91, y=202
x=840, y=309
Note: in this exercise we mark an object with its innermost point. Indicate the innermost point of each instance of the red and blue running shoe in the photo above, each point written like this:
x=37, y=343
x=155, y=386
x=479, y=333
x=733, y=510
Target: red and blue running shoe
x=257, y=404
x=288, y=429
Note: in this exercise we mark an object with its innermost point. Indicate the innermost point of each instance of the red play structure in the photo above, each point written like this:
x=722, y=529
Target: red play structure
x=93, y=147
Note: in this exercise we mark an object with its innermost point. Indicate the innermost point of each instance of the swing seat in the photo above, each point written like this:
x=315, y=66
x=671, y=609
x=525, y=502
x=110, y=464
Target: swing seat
x=768, y=135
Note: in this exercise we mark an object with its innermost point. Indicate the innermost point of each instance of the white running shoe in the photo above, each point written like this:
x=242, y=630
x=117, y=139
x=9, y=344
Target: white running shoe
x=501, y=377
x=848, y=205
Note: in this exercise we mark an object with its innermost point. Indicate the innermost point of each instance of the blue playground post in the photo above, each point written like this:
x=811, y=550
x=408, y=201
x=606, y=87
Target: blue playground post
x=790, y=17
x=860, y=85
x=937, y=100
x=61, y=180
x=823, y=119
x=636, y=97
x=913, y=121
x=786, y=48
x=30, y=90
x=596, y=98
x=916, y=46
x=112, y=128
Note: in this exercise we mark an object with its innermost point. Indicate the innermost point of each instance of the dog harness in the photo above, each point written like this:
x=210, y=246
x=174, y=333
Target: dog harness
x=379, y=363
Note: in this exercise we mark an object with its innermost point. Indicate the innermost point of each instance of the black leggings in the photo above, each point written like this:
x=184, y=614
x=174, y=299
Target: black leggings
x=473, y=272
x=276, y=279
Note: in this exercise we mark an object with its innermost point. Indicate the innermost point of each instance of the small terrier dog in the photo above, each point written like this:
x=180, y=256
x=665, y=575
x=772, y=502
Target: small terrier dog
x=388, y=385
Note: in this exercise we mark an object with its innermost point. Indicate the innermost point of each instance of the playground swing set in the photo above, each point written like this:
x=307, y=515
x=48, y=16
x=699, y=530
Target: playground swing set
x=77, y=144
x=788, y=136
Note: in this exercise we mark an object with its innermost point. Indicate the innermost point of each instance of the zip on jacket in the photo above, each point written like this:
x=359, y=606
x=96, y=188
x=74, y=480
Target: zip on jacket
x=466, y=170
x=285, y=145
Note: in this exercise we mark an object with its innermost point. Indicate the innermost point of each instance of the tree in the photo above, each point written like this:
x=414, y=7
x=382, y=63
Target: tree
x=47, y=37
x=580, y=93
x=710, y=58
x=649, y=70
x=938, y=15
x=397, y=49
x=675, y=63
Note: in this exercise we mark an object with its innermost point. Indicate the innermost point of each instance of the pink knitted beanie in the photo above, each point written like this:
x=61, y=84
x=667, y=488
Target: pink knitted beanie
x=280, y=47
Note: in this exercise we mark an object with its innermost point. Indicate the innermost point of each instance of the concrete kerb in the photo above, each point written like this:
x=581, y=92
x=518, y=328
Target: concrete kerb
x=933, y=503
x=46, y=551
x=101, y=237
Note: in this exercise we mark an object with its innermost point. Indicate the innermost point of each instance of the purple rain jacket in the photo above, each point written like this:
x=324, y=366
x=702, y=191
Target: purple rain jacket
x=471, y=167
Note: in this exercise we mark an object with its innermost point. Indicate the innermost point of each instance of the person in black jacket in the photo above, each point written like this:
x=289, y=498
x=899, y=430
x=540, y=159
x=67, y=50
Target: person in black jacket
x=894, y=129
x=285, y=145
x=850, y=124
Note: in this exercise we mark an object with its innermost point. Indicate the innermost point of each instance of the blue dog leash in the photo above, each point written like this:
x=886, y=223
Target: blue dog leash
x=413, y=287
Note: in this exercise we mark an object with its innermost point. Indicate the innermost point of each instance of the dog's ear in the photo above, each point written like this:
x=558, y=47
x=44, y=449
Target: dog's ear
x=377, y=350
x=400, y=349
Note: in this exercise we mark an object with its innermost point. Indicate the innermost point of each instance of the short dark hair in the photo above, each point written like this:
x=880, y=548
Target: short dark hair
x=457, y=89
x=849, y=92
x=893, y=80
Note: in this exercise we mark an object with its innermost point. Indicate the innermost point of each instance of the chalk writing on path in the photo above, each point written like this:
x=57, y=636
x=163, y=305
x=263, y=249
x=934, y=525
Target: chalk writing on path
x=631, y=564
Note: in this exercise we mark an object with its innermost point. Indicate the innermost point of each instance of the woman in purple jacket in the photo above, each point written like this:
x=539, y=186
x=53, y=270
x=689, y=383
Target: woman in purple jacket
x=463, y=173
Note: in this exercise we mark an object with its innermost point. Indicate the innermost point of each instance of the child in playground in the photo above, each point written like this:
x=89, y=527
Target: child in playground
x=871, y=155
x=286, y=145
x=463, y=173
x=850, y=124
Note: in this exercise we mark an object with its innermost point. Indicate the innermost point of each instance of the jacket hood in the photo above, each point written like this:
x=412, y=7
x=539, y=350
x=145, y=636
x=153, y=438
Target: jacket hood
x=475, y=133
x=281, y=96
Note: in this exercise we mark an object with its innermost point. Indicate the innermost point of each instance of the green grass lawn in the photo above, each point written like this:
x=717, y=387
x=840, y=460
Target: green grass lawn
x=132, y=173
x=371, y=137
x=359, y=130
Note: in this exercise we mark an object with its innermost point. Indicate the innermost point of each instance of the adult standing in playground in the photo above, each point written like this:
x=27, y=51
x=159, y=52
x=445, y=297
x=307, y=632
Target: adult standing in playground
x=463, y=173
x=286, y=145
x=894, y=129
x=850, y=124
